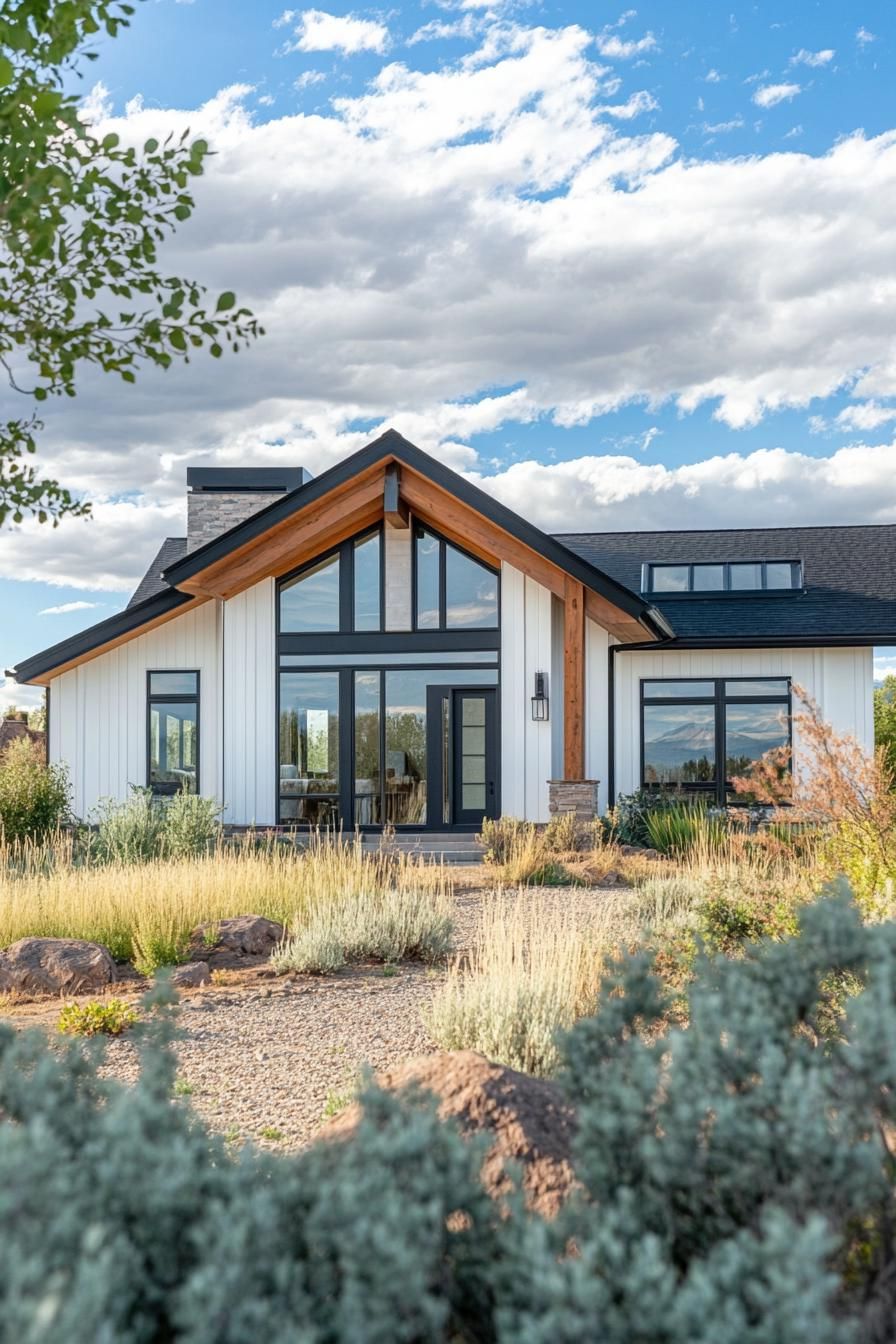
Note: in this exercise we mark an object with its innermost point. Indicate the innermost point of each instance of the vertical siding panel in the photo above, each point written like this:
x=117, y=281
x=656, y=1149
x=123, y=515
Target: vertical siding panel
x=597, y=643
x=513, y=672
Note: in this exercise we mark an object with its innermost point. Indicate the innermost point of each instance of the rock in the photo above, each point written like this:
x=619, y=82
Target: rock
x=639, y=852
x=530, y=1120
x=244, y=935
x=55, y=966
x=191, y=975
x=614, y=879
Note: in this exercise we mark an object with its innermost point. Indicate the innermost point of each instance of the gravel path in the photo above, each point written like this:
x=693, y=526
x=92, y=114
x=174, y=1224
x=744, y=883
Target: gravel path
x=271, y=1060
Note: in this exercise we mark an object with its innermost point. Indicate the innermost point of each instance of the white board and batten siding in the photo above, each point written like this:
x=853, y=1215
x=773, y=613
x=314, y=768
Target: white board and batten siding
x=526, y=648
x=250, y=706
x=98, y=710
x=839, y=681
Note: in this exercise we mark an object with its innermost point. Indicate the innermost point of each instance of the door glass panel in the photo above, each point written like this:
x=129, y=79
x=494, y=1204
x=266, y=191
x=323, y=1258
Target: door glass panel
x=471, y=593
x=679, y=744
x=472, y=753
x=405, y=763
x=446, y=760
x=310, y=602
x=309, y=746
x=474, y=740
x=367, y=583
x=427, y=580
x=473, y=797
x=368, y=805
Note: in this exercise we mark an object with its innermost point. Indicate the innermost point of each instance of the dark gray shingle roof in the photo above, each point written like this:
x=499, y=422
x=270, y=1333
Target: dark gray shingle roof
x=849, y=577
x=171, y=549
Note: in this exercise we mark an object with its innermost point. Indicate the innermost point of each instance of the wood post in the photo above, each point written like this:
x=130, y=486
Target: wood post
x=574, y=680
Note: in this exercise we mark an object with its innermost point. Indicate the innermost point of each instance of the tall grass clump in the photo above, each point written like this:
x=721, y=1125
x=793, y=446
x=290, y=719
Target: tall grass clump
x=34, y=796
x=145, y=827
x=682, y=826
x=145, y=912
x=532, y=971
x=397, y=909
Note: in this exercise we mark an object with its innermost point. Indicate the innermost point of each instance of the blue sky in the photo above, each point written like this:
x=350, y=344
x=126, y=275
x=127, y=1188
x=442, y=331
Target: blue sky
x=625, y=267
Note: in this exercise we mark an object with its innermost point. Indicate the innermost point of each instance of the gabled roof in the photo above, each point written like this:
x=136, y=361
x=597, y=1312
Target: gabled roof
x=393, y=447
x=849, y=578
x=152, y=583
x=160, y=593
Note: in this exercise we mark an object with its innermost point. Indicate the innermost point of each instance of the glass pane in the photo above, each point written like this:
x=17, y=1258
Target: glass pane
x=309, y=735
x=427, y=548
x=669, y=578
x=472, y=769
x=368, y=804
x=674, y=690
x=708, y=578
x=367, y=583
x=310, y=811
x=172, y=747
x=409, y=659
x=746, y=577
x=471, y=593
x=760, y=686
x=405, y=762
x=446, y=760
x=779, y=574
x=474, y=740
x=679, y=744
x=173, y=683
x=751, y=731
x=473, y=797
x=310, y=602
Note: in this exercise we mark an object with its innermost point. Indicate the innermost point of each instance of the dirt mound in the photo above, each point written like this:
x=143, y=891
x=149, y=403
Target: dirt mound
x=531, y=1121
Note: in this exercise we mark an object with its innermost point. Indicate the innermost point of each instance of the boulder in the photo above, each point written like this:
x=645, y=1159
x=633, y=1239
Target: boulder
x=244, y=935
x=55, y=966
x=190, y=975
x=639, y=852
x=529, y=1120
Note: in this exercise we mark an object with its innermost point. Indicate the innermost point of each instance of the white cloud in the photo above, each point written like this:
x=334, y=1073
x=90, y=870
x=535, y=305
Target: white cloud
x=476, y=227
x=308, y=78
x=865, y=415
x=65, y=607
x=723, y=127
x=467, y=26
x=615, y=48
x=19, y=697
x=772, y=94
x=813, y=58
x=884, y=663
x=317, y=30
x=638, y=103
x=863, y=37
x=713, y=77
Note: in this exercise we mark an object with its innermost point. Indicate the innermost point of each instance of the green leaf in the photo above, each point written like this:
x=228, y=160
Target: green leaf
x=110, y=141
x=226, y=300
x=6, y=71
x=151, y=146
x=178, y=339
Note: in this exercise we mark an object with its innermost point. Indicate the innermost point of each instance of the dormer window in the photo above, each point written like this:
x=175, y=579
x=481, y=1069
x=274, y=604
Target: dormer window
x=734, y=576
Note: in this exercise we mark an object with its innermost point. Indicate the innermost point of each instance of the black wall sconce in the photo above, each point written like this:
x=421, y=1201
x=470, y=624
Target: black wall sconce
x=540, y=703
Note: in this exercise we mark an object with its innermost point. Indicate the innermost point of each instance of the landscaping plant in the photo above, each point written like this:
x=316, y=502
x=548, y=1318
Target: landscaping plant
x=34, y=796
x=736, y=1184
x=107, y=1017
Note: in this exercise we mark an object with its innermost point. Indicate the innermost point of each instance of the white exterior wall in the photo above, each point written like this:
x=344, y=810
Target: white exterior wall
x=840, y=681
x=98, y=710
x=526, y=648
x=597, y=717
x=249, y=701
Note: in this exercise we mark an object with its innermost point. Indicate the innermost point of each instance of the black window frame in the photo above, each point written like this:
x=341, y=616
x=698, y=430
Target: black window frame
x=345, y=551
x=160, y=697
x=719, y=789
x=796, y=571
x=443, y=628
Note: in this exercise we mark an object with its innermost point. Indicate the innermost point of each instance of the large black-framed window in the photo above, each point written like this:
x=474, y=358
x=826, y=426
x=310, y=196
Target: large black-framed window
x=356, y=742
x=338, y=593
x=697, y=733
x=452, y=590
x=172, y=731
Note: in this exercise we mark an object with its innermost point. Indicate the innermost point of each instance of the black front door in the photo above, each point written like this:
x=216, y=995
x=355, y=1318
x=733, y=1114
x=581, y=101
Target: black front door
x=462, y=756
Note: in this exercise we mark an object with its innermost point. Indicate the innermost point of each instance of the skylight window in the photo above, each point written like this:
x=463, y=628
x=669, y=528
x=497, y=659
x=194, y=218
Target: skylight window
x=735, y=576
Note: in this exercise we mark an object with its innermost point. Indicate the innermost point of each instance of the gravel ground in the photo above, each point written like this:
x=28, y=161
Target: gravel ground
x=281, y=1054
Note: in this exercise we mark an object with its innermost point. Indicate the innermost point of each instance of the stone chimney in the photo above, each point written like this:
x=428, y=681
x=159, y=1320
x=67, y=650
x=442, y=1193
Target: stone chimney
x=220, y=497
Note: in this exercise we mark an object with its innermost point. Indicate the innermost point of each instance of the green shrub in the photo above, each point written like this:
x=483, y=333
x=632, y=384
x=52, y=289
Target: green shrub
x=502, y=836
x=191, y=825
x=107, y=1017
x=387, y=924
x=728, y=920
x=129, y=832
x=735, y=1184
x=34, y=796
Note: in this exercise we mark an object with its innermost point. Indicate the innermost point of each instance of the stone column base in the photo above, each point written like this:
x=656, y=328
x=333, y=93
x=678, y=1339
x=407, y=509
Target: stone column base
x=578, y=796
